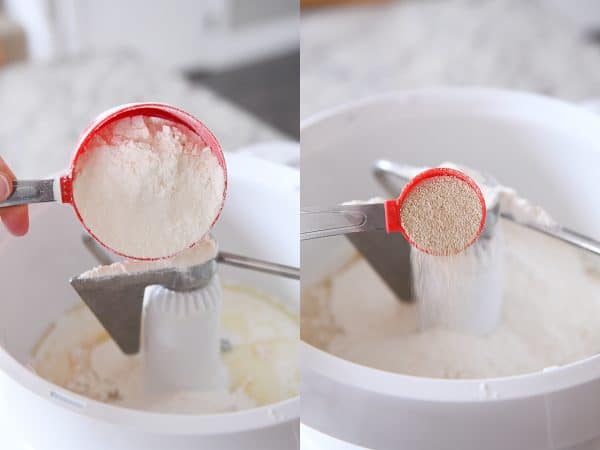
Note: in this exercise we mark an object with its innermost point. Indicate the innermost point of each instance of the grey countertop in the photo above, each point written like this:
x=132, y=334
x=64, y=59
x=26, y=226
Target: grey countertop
x=357, y=51
x=44, y=108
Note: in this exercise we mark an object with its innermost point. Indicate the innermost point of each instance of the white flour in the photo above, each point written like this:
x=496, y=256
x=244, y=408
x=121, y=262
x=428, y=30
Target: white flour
x=148, y=188
x=201, y=252
x=77, y=354
x=551, y=305
x=521, y=209
x=461, y=292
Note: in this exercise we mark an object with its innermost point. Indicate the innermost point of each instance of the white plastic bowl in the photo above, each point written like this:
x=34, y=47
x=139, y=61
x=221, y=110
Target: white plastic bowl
x=550, y=151
x=34, y=272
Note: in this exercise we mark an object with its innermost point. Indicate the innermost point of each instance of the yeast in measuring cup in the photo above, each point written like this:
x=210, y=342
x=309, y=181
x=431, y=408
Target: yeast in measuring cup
x=147, y=187
x=442, y=215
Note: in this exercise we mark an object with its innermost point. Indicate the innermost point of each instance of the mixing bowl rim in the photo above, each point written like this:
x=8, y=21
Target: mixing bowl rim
x=456, y=95
x=316, y=361
x=261, y=417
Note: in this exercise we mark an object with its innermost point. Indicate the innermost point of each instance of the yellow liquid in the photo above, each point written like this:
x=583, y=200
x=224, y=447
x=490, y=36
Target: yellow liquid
x=77, y=354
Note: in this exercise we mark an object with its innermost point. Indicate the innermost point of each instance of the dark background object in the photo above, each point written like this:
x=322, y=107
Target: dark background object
x=269, y=89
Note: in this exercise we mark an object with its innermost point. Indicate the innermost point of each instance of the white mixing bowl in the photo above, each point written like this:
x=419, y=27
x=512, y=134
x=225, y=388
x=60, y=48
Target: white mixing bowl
x=262, y=206
x=549, y=151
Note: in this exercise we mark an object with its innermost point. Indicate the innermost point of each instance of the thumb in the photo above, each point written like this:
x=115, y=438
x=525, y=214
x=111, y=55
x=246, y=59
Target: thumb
x=5, y=187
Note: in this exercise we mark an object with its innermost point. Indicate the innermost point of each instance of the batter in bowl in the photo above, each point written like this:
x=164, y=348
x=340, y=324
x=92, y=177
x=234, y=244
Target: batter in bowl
x=77, y=354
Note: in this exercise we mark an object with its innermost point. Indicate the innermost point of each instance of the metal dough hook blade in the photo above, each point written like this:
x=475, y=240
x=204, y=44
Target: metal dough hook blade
x=117, y=299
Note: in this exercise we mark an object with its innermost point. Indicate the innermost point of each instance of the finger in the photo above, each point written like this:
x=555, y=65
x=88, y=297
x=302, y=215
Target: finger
x=15, y=219
x=6, y=179
x=5, y=187
x=6, y=170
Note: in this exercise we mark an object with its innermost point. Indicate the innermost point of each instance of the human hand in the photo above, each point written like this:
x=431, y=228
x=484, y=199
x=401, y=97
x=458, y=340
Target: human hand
x=15, y=218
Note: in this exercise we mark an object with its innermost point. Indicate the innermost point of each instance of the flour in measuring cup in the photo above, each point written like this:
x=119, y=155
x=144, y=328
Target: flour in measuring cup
x=147, y=187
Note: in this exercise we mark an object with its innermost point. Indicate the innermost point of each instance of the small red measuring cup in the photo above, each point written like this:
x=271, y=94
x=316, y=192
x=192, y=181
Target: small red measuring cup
x=61, y=189
x=393, y=207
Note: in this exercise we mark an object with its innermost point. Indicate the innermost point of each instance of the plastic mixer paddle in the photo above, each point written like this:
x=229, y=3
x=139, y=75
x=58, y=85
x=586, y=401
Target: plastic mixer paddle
x=181, y=339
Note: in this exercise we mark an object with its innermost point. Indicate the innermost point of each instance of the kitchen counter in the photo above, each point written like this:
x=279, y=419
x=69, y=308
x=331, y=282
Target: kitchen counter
x=356, y=51
x=44, y=108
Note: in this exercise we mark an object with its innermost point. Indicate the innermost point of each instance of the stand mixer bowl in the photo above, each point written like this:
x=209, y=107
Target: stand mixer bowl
x=37, y=414
x=511, y=136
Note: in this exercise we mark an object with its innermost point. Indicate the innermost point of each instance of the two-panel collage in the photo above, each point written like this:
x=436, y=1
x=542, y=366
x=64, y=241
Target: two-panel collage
x=299, y=225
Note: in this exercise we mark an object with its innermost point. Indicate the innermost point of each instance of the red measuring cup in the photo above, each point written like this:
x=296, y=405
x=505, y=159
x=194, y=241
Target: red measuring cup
x=393, y=207
x=61, y=189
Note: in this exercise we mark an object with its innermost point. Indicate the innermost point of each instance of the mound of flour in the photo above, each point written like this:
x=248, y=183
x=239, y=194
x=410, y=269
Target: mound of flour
x=551, y=305
x=148, y=187
x=201, y=252
x=77, y=354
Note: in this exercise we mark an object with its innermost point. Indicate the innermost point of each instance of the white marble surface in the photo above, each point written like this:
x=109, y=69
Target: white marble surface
x=352, y=52
x=44, y=108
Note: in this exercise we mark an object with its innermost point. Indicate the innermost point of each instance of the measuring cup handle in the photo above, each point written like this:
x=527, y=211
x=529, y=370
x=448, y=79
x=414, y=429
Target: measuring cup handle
x=259, y=265
x=30, y=191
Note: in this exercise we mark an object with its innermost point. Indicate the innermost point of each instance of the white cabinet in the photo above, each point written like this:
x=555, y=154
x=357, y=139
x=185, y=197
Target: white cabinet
x=188, y=34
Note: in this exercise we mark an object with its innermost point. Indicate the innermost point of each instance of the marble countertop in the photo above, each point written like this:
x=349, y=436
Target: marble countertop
x=357, y=51
x=44, y=108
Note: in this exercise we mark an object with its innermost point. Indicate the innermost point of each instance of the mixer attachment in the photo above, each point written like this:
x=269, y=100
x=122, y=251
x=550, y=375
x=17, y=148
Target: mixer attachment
x=389, y=253
x=181, y=340
x=117, y=300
